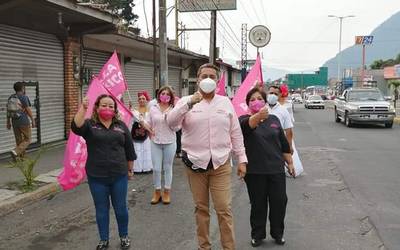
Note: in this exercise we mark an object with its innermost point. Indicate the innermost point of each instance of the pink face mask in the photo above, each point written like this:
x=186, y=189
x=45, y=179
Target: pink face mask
x=165, y=98
x=106, y=114
x=256, y=105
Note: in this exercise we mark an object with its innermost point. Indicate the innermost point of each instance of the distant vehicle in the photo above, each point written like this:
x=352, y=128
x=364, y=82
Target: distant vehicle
x=296, y=98
x=314, y=101
x=364, y=105
x=315, y=90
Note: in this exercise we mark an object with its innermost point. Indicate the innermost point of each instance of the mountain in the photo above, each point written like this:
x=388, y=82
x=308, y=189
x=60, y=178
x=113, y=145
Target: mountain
x=273, y=73
x=386, y=45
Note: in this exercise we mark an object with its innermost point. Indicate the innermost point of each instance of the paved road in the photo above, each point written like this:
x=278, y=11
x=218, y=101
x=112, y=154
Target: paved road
x=369, y=161
x=349, y=190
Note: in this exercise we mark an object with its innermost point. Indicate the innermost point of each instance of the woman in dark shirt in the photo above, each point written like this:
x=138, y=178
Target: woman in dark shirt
x=267, y=151
x=110, y=157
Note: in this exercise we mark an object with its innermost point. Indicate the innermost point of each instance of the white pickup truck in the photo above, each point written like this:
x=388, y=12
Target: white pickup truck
x=364, y=105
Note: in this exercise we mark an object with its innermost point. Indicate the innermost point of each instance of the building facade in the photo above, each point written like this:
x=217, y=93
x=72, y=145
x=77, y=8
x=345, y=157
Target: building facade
x=56, y=47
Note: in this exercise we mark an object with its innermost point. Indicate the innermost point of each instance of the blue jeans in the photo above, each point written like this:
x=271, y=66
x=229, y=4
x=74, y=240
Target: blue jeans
x=101, y=190
x=162, y=156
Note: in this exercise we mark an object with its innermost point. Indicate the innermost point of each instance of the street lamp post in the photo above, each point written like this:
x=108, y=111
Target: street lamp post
x=340, y=42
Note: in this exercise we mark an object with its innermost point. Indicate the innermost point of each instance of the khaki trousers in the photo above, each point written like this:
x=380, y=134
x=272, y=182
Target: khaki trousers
x=23, y=137
x=218, y=184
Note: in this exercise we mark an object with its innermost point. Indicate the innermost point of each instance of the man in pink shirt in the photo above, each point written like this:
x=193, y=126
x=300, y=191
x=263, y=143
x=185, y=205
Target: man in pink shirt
x=210, y=132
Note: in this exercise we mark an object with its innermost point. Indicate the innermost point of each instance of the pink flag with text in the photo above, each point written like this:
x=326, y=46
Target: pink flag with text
x=221, y=85
x=75, y=154
x=254, y=77
x=112, y=78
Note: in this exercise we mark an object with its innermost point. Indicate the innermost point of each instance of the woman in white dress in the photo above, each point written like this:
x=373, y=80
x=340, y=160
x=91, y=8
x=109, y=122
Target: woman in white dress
x=140, y=136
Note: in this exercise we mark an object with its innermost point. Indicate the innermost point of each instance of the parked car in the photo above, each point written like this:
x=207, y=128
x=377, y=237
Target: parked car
x=314, y=101
x=364, y=105
x=296, y=98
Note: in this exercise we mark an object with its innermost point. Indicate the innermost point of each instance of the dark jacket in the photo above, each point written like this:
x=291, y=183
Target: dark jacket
x=264, y=145
x=109, y=150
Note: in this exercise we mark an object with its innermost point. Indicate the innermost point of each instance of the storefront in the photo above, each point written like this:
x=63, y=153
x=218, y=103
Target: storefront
x=34, y=57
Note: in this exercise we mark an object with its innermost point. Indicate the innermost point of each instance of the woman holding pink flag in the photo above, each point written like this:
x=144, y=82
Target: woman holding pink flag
x=267, y=151
x=163, y=146
x=110, y=158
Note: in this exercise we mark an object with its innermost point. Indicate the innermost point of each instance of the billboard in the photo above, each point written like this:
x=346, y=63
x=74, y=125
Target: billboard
x=205, y=5
x=392, y=72
x=364, y=40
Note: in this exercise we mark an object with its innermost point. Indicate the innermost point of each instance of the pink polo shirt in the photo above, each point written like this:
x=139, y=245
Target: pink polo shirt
x=163, y=134
x=209, y=130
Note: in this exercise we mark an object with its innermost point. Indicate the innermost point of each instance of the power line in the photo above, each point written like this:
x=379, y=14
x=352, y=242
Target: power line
x=145, y=17
x=226, y=40
x=247, y=13
x=255, y=11
x=264, y=12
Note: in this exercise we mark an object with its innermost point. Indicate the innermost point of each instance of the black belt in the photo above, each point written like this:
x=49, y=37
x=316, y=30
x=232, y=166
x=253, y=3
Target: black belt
x=190, y=164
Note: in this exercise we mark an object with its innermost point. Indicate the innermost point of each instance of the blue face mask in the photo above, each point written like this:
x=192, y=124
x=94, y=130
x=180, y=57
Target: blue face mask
x=272, y=99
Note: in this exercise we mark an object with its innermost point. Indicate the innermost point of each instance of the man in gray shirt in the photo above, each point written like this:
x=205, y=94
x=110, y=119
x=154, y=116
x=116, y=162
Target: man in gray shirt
x=21, y=121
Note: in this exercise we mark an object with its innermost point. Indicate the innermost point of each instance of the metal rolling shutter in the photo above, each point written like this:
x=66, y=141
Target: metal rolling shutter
x=139, y=77
x=174, y=80
x=94, y=60
x=27, y=55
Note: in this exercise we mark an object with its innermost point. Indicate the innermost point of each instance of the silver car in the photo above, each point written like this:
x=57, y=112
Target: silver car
x=314, y=101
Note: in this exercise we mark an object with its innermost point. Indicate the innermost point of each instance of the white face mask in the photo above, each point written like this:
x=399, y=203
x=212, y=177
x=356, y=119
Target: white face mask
x=207, y=85
x=272, y=99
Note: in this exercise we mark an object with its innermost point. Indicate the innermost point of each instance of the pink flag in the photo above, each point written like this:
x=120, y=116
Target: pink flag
x=254, y=77
x=112, y=78
x=221, y=86
x=76, y=152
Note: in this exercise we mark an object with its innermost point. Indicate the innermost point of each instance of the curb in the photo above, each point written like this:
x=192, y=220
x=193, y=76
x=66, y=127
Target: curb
x=22, y=200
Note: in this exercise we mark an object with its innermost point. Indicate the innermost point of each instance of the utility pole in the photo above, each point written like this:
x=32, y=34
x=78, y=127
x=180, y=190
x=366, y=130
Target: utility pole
x=155, y=77
x=163, y=43
x=363, y=66
x=176, y=24
x=213, y=36
x=244, y=51
x=340, y=43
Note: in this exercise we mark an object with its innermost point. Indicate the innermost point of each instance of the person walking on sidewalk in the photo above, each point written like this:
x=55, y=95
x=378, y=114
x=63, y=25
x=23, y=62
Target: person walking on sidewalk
x=19, y=117
x=110, y=158
x=210, y=132
x=140, y=136
x=267, y=150
x=163, y=145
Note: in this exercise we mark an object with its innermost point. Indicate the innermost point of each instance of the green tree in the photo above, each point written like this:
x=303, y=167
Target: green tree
x=377, y=64
x=380, y=64
x=121, y=8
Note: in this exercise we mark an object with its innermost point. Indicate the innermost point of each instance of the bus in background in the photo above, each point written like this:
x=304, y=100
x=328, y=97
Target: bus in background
x=315, y=90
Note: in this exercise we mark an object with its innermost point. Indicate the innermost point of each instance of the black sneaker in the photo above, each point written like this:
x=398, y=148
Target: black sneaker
x=125, y=242
x=280, y=241
x=255, y=243
x=103, y=244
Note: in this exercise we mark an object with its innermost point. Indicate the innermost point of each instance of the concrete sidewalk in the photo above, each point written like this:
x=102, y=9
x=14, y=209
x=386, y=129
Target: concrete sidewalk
x=47, y=169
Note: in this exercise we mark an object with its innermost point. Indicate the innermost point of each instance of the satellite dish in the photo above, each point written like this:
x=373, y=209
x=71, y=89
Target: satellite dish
x=259, y=36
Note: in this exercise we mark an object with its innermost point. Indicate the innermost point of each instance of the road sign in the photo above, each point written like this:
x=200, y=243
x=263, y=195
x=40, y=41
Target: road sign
x=259, y=36
x=205, y=5
x=364, y=40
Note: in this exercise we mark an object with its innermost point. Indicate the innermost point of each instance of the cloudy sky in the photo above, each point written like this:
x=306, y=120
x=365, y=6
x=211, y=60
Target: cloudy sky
x=303, y=36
